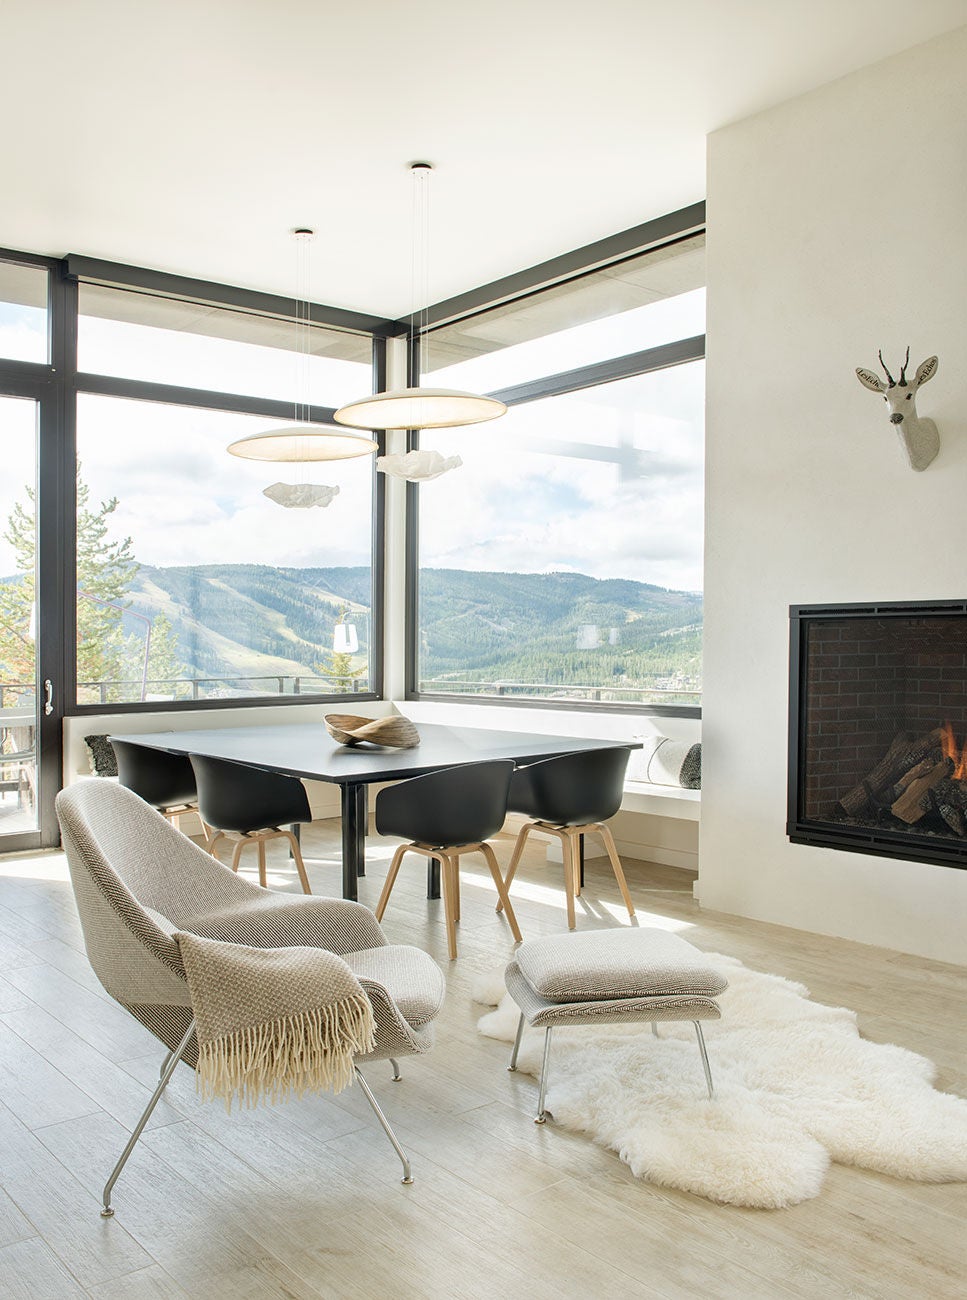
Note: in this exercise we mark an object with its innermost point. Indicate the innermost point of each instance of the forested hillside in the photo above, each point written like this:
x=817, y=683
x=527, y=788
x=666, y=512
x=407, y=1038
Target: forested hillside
x=558, y=628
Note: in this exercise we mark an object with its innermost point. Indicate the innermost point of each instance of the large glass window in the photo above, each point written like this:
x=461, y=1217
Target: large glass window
x=643, y=302
x=197, y=345
x=562, y=558
x=23, y=312
x=192, y=584
x=18, y=617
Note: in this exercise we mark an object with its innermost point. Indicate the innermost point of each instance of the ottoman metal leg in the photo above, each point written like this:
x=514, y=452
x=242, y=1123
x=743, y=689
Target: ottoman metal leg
x=520, y=1033
x=705, y=1064
x=541, y=1113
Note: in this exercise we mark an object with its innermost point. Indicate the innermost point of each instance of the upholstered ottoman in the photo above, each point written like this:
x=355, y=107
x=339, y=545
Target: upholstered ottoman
x=611, y=977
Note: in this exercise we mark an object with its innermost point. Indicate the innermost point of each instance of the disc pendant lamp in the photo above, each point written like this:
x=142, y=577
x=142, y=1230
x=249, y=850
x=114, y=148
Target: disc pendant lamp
x=303, y=441
x=419, y=408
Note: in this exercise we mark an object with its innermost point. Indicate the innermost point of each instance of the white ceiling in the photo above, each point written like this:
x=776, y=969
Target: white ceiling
x=192, y=135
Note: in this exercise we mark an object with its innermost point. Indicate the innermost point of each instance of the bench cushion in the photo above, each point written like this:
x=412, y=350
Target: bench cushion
x=604, y=965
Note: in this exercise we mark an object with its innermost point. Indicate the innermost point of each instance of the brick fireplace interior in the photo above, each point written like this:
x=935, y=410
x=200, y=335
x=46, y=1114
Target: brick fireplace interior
x=878, y=719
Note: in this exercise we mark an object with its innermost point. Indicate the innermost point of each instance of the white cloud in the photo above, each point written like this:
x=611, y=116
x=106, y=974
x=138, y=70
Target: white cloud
x=530, y=511
x=184, y=500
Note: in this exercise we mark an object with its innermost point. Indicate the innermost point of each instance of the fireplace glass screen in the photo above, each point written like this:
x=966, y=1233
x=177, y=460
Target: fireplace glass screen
x=878, y=728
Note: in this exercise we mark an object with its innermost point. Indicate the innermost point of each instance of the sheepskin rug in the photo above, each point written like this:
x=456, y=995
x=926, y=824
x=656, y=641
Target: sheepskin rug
x=795, y=1087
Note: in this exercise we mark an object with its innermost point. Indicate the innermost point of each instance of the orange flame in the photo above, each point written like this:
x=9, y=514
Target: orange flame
x=951, y=750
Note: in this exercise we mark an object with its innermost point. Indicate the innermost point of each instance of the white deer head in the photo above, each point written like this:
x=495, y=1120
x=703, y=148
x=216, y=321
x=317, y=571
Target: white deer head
x=919, y=437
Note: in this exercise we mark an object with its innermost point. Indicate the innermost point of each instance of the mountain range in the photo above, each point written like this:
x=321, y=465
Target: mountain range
x=253, y=620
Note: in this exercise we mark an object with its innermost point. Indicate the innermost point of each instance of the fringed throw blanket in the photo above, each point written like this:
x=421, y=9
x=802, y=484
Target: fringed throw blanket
x=273, y=1021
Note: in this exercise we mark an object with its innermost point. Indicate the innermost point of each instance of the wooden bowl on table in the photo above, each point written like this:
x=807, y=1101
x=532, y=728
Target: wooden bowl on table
x=395, y=732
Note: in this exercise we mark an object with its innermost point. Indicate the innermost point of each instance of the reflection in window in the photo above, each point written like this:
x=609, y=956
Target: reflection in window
x=196, y=345
x=644, y=302
x=191, y=584
x=18, y=617
x=23, y=312
x=563, y=559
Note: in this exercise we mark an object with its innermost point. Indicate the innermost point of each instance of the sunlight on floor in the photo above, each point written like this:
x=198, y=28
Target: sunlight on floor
x=551, y=897
x=43, y=865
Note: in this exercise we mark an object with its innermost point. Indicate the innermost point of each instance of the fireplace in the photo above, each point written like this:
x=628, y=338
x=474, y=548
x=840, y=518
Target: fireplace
x=877, y=729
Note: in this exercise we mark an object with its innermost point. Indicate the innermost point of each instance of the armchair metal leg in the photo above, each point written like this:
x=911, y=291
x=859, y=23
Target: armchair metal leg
x=514, y=1054
x=167, y=1071
x=541, y=1116
x=407, y=1176
x=396, y=1070
x=705, y=1064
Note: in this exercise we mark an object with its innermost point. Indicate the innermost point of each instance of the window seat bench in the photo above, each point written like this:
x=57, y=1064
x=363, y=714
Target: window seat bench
x=661, y=800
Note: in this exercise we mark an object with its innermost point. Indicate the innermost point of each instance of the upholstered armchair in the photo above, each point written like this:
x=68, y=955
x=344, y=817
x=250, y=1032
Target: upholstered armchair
x=139, y=882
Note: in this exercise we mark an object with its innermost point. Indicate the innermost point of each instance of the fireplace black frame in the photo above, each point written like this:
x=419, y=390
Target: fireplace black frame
x=841, y=835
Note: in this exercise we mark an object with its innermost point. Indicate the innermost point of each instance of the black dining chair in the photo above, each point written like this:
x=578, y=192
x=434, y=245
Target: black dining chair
x=569, y=797
x=165, y=781
x=249, y=806
x=443, y=816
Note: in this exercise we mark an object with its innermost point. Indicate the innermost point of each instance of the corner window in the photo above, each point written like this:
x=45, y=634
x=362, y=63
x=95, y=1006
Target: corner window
x=562, y=558
x=192, y=584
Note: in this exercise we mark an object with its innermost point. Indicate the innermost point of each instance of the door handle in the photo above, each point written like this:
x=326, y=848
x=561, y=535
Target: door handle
x=48, y=696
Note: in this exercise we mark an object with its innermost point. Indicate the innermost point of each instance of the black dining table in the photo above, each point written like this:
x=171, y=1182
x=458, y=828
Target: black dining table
x=306, y=750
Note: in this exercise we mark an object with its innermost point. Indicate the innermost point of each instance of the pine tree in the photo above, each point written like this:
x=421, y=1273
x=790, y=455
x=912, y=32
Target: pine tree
x=165, y=668
x=105, y=571
x=17, y=649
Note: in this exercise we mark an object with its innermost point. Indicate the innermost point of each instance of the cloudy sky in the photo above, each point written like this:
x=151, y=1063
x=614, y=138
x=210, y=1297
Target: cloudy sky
x=606, y=482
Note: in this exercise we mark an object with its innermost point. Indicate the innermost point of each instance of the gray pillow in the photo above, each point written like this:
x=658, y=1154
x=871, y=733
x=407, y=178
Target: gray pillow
x=103, y=758
x=663, y=761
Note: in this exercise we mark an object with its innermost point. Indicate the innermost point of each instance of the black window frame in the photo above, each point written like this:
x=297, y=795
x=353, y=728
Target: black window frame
x=61, y=383
x=663, y=232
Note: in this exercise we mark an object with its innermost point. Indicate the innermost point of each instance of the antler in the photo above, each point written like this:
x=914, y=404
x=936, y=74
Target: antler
x=903, y=372
x=890, y=380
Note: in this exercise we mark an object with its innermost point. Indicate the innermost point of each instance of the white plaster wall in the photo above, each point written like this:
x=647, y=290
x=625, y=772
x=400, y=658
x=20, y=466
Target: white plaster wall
x=837, y=225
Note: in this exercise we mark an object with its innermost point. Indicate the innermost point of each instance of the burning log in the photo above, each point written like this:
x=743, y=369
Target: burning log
x=915, y=801
x=905, y=753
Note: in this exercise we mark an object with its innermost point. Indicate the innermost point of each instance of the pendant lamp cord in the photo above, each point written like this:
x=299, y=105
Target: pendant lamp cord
x=420, y=267
x=303, y=237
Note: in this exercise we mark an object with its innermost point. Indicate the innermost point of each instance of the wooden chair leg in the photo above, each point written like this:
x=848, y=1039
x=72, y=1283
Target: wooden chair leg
x=571, y=869
x=236, y=856
x=262, y=879
x=448, y=872
x=211, y=840
x=300, y=866
x=456, y=887
x=391, y=875
x=491, y=860
x=515, y=857
x=605, y=833
x=576, y=858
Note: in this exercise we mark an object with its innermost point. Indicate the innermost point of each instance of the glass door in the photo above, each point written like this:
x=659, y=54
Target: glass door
x=22, y=693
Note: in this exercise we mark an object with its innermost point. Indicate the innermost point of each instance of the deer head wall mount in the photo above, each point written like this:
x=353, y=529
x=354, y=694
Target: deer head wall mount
x=919, y=437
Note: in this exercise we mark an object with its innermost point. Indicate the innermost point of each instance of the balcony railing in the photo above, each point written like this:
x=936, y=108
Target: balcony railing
x=20, y=696
x=213, y=688
x=130, y=690
x=690, y=695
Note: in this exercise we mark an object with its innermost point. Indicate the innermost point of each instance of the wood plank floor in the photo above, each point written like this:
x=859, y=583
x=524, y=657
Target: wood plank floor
x=304, y=1200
